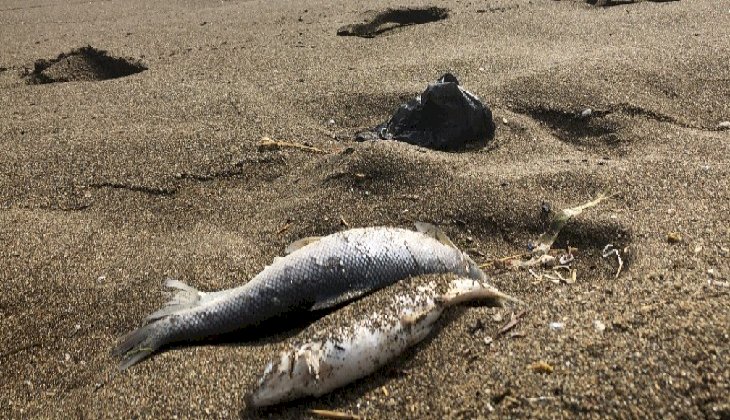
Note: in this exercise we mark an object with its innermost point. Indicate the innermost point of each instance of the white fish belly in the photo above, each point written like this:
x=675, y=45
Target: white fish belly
x=368, y=351
x=317, y=368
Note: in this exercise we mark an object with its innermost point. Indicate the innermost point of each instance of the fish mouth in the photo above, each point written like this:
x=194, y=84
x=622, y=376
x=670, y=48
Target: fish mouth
x=285, y=379
x=248, y=401
x=272, y=384
x=267, y=371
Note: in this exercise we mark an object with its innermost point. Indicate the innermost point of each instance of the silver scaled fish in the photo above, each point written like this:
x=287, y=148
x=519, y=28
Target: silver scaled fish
x=360, y=338
x=317, y=273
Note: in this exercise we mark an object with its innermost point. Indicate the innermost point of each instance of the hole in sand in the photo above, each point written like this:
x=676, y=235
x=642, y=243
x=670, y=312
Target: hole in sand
x=378, y=23
x=82, y=64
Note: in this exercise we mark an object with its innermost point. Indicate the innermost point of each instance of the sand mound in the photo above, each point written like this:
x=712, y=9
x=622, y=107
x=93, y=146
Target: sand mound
x=82, y=64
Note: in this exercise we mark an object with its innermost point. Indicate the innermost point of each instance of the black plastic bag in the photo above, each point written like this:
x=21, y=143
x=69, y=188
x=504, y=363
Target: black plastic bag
x=443, y=117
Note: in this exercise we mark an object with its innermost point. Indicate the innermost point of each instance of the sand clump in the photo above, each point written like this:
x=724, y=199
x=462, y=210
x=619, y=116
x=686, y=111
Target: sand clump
x=82, y=64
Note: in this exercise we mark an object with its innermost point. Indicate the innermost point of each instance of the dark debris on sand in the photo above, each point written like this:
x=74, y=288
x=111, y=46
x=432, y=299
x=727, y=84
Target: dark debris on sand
x=393, y=18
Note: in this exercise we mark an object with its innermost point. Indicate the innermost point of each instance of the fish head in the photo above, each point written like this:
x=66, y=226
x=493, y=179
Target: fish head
x=286, y=379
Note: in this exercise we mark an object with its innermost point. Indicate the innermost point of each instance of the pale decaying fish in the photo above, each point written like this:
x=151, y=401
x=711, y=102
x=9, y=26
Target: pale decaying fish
x=317, y=273
x=360, y=338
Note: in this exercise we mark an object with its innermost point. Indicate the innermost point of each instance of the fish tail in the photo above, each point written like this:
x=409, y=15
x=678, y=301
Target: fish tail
x=142, y=342
x=138, y=345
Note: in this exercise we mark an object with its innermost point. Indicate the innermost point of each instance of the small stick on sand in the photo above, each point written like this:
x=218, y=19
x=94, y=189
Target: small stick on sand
x=19, y=349
x=501, y=260
x=337, y=415
x=512, y=322
x=284, y=228
x=268, y=144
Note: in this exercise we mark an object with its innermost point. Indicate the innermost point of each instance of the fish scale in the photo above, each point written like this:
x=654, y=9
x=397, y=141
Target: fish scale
x=330, y=271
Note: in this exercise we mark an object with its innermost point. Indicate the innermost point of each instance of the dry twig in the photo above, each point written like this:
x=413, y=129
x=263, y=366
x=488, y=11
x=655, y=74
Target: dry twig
x=501, y=261
x=284, y=228
x=335, y=415
x=512, y=322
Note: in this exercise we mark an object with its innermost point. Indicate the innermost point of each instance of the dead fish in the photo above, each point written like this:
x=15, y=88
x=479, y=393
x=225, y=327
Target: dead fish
x=318, y=273
x=387, y=323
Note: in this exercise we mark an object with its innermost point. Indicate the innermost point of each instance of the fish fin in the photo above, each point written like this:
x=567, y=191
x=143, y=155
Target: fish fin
x=434, y=232
x=137, y=345
x=337, y=300
x=177, y=284
x=301, y=243
x=142, y=342
x=276, y=260
x=464, y=292
x=186, y=298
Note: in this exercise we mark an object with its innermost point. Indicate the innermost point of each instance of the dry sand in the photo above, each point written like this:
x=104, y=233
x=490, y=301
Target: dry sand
x=107, y=187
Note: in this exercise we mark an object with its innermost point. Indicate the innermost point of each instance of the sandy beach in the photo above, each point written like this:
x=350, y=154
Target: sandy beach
x=115, y=176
